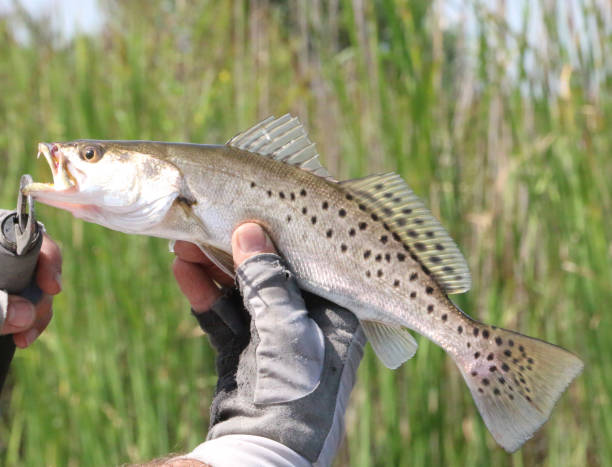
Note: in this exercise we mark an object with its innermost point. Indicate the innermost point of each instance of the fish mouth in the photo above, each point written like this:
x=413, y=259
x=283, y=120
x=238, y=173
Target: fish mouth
x=63, y=180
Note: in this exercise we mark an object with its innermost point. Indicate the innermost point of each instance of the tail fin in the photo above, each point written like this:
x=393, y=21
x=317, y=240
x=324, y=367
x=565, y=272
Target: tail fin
x=515, y=380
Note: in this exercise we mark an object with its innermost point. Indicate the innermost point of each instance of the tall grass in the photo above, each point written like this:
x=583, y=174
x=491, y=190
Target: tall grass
x=504, y=134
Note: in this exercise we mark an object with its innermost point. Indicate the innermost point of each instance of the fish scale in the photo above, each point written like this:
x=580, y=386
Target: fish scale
x=369, y=245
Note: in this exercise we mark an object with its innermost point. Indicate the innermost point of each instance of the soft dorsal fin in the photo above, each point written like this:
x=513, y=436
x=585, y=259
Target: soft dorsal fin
x=283, y=139
x=391, y=199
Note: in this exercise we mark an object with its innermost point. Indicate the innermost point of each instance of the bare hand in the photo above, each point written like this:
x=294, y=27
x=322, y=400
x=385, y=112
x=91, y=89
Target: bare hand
x=25, y=320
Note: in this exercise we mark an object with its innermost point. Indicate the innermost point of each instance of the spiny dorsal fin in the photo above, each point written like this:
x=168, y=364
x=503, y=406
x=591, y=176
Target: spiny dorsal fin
x=389, y=197
x=283, y=139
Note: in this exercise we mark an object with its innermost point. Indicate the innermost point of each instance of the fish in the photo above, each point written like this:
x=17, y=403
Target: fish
x=369, y=244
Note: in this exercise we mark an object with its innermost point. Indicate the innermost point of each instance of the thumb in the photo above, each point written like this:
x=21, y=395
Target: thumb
x=248, y=240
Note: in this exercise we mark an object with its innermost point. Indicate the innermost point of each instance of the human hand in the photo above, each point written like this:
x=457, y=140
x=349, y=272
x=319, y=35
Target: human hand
x=25, y=320
x=285, y=375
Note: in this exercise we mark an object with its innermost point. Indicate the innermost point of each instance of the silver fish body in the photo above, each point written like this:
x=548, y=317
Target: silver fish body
x=369, y=245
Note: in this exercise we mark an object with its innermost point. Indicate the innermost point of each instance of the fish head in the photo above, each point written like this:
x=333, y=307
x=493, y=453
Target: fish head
x=114, y=184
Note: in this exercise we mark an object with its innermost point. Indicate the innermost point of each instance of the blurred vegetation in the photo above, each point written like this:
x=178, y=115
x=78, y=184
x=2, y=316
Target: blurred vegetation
x=504, y=130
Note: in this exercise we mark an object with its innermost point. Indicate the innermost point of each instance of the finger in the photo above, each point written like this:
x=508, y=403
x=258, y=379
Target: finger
x=24, y=339
x=196, y=285
x=49, y=269
x=20, y=315
x=193, y=254
x=248, y=240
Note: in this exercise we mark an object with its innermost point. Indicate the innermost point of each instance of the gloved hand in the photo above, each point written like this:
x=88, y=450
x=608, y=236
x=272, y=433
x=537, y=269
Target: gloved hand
x=286, y=366
x=20, y=317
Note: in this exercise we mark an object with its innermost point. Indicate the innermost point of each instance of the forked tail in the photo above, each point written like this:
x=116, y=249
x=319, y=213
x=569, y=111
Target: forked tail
x=515, y=380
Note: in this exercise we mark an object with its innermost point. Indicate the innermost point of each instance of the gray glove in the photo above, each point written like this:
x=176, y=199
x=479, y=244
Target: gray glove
x=287, y=367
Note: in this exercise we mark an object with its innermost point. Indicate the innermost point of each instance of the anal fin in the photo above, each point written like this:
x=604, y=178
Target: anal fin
x=392, y=344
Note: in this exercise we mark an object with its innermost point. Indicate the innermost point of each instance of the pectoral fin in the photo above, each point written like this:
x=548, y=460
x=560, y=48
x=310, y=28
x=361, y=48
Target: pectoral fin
x=392, y=344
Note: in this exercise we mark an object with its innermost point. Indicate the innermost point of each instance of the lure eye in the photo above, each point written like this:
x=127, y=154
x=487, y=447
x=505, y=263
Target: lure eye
x=91, y=154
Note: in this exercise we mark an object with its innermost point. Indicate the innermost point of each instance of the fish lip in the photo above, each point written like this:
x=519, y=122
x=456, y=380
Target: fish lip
x=63, y=180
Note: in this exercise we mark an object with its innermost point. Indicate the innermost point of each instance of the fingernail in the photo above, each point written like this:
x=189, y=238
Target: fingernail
x=20, y=314
x=252, y=238
x=58, y=279
x=31, y=336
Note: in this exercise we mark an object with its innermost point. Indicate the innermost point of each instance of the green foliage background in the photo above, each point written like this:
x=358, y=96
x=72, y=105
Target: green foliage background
x=505, y=133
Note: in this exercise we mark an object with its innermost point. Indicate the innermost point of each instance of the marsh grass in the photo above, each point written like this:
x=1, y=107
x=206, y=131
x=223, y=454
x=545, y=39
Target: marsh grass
x=505, y=138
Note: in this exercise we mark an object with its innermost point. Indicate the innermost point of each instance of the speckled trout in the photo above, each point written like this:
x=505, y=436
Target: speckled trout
x=369, y=245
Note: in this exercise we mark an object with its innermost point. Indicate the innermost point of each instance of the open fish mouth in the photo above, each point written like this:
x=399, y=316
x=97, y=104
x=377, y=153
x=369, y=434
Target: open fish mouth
x=63, y=180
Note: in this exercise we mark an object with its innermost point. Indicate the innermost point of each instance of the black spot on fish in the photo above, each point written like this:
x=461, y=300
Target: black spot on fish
x=252, y=184
x=448, y=269
x=329, y=233
x=396, y=237
x=511, y=343
x=281, y=194
x=511, y=397
x=430, y=308
x=374, y=217
x=490, y=357
x=428, y=290
x=269, y=192
x=342, y=212
x=302, y=192
x=435, y=259
x=388, y=211
x=485, y=334
x=412, y=294
x=313, y=219
x=501, y=380
x=476, y=331
x=507, y=353
x=444, y=317
x=352, y=232
x=378, y=186
x=396, y=283
x=292, y=196
x=515, y=360
x=401, y=222
x=429, y=233
x=458, y=278
x=528, y=398
x=492, y=368
x=406, y=211
x=468, y=345
x=325, y=205
x=401, y=256
x=379, y=273
x=362, y=207
x=383, y=239
x=418, y=221
x=459, y=329
x=413, y=233
x=413, y=276
x=349, y=197
x=378, y=257
x=388, y=257
x=343, y=247
x=521, y=348
x=304, y=210
x=439, y=247
x=485, y=381
x=505, y=367
x=474, y=373
x=480, y=390
x=368, y=273
x=420, y=246
x=386, y=226
x=288, y=218
x=477, y=355
x=362, y=225
x=527, y=389
x=499, y=340
x=426, y=270
x=496, y=392
x=388, y=195
x=366, y=254
x=414, y=257
x=397, y=200
x=530, y=360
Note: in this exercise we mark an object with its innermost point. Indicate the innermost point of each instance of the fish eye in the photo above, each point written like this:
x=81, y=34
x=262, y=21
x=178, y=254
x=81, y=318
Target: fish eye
x=91, y=154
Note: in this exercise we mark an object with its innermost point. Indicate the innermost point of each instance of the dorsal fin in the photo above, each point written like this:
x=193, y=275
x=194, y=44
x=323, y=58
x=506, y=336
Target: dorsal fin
x=283, y=139
x=391, y=199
